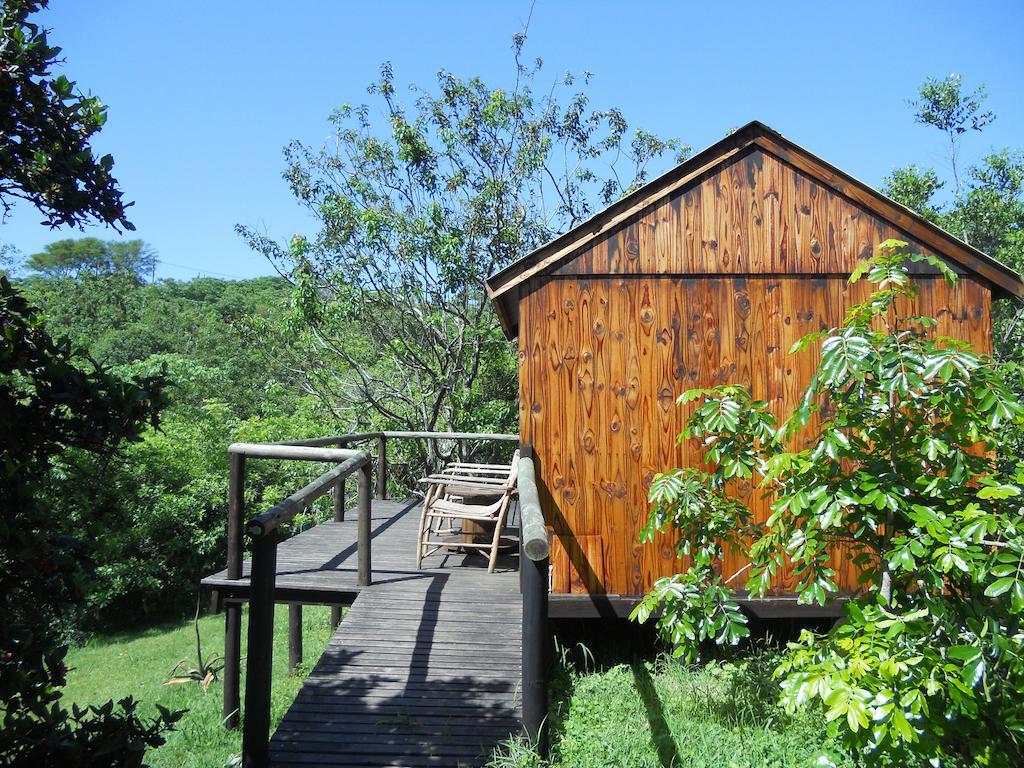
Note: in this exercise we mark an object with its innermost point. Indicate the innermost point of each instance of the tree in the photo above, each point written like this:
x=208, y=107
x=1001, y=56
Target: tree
x=49, y=405
x=902, y=468
x=46, y=125
x=944, y=105
x=987, y=207
x=416, y=211
x=92, y=256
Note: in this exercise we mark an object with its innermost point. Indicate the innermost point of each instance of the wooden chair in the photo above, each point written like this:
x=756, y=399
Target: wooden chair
x=448, y=499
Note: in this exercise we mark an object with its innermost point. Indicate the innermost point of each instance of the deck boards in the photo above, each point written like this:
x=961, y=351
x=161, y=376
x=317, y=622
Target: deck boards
x=426, y=666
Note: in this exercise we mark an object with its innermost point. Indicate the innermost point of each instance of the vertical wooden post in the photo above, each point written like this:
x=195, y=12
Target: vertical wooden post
x=294, y=636
x=259, y=658
x=363, y=577
x=335, y=616
x=382, y=467
x=339, y=493
x=534, y=576
x=339, y=501
x=233, y=609
x=232, y=662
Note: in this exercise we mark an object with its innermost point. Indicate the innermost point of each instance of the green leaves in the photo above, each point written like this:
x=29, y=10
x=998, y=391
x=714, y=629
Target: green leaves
x=694, y=608
x=891, y=455
x=47, y=126
x=849, y=354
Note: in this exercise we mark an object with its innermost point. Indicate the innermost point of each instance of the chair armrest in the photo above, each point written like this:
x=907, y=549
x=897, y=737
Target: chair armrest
x=466, y=483
x=504, y=468
x=496, y=482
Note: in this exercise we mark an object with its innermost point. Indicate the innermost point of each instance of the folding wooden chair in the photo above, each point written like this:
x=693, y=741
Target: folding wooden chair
x=447, y=500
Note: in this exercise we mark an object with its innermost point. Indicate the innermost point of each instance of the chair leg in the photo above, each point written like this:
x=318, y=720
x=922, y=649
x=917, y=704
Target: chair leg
x=427, y=498
x=499, y=523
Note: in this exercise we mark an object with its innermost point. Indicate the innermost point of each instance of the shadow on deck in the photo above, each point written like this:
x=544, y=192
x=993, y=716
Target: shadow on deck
x=424, y=670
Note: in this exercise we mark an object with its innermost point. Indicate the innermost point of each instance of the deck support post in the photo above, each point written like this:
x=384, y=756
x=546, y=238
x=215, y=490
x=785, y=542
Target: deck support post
x=335, y=616
x=259, y=659
x=382, y=467
x=232, y=663
x=233, y=609
x=534, y=575
x=363, y=578
x=294, y=637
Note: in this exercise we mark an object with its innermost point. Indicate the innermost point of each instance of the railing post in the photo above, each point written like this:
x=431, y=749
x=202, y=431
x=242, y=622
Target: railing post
x=382, y=467
x=339, y=501
x=339, y=493
x=535, y=617
x=294, y=636
x=363, y=577
x=259, y=657
x=534, y=558
x=232, y=608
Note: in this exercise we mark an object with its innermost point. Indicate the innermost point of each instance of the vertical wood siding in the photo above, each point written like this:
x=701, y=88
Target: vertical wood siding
x=712, y=286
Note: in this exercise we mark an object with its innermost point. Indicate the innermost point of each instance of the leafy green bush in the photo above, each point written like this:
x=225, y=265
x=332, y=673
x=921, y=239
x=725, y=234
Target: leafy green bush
x=903, y=433
x=48, y=407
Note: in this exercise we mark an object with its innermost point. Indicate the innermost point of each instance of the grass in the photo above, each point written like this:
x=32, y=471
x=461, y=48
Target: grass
x=639, y=714
x=663, y=714
x=137, y=664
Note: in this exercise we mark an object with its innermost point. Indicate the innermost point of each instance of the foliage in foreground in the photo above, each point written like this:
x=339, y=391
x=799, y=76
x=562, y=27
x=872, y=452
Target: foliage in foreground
x=48, y=406
x=136, y=662
x=720, y=715
x=46, y=124
x=902, y=430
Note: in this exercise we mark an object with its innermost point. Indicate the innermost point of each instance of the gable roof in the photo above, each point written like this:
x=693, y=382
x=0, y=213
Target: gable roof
x=501, y=286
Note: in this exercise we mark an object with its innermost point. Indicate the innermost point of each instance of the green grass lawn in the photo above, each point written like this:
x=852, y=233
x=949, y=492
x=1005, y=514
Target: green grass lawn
x=138, y=663
x=656, y=715
x=642, y=714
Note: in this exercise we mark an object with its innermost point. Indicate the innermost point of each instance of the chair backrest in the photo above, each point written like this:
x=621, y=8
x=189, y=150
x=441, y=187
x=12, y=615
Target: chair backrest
x=513, y=474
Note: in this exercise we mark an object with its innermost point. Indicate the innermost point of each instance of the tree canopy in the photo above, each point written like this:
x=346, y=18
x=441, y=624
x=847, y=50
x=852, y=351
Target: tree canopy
x=416, y=210
x=92, y=256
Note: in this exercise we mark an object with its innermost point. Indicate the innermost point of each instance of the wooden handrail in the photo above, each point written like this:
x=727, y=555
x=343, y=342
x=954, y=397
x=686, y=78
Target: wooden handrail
x=293, y=452
x=264, y=532
x=286, y=509
x=533, y=571
x=534, y=533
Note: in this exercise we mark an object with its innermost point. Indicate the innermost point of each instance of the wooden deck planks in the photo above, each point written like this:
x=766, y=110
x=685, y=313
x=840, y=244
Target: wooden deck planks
x=426, y=666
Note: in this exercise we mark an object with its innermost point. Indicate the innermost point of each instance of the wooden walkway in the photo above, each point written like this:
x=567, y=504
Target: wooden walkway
x=425, y=668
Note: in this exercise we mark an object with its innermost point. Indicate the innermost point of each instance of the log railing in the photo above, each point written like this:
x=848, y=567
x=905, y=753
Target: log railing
x=264, y=534
x=263, y=531
x=535, y=549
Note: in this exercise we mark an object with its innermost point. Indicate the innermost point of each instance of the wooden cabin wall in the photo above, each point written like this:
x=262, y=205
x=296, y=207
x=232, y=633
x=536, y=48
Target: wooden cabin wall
x=605, y=351
x=756, y=215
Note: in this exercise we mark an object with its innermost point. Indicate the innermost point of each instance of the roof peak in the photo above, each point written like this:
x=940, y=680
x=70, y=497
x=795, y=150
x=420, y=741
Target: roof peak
x=1003, y=280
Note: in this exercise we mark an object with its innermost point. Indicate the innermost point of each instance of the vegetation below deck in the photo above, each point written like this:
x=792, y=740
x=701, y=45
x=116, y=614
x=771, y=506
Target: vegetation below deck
x=138, y=663
x=723, y=714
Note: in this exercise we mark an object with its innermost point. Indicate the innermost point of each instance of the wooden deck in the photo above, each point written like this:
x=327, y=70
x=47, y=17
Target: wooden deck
x=425, y=668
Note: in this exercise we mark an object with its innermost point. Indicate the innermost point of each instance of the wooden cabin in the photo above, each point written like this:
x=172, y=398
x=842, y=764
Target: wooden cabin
x=704, y=276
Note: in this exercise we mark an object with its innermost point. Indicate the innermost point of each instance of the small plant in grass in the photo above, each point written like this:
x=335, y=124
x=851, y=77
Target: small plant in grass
x=902, y=469
x=205, y=671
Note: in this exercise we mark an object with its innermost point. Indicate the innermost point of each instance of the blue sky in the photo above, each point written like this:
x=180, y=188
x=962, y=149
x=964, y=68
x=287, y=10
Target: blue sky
x=203, y=95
